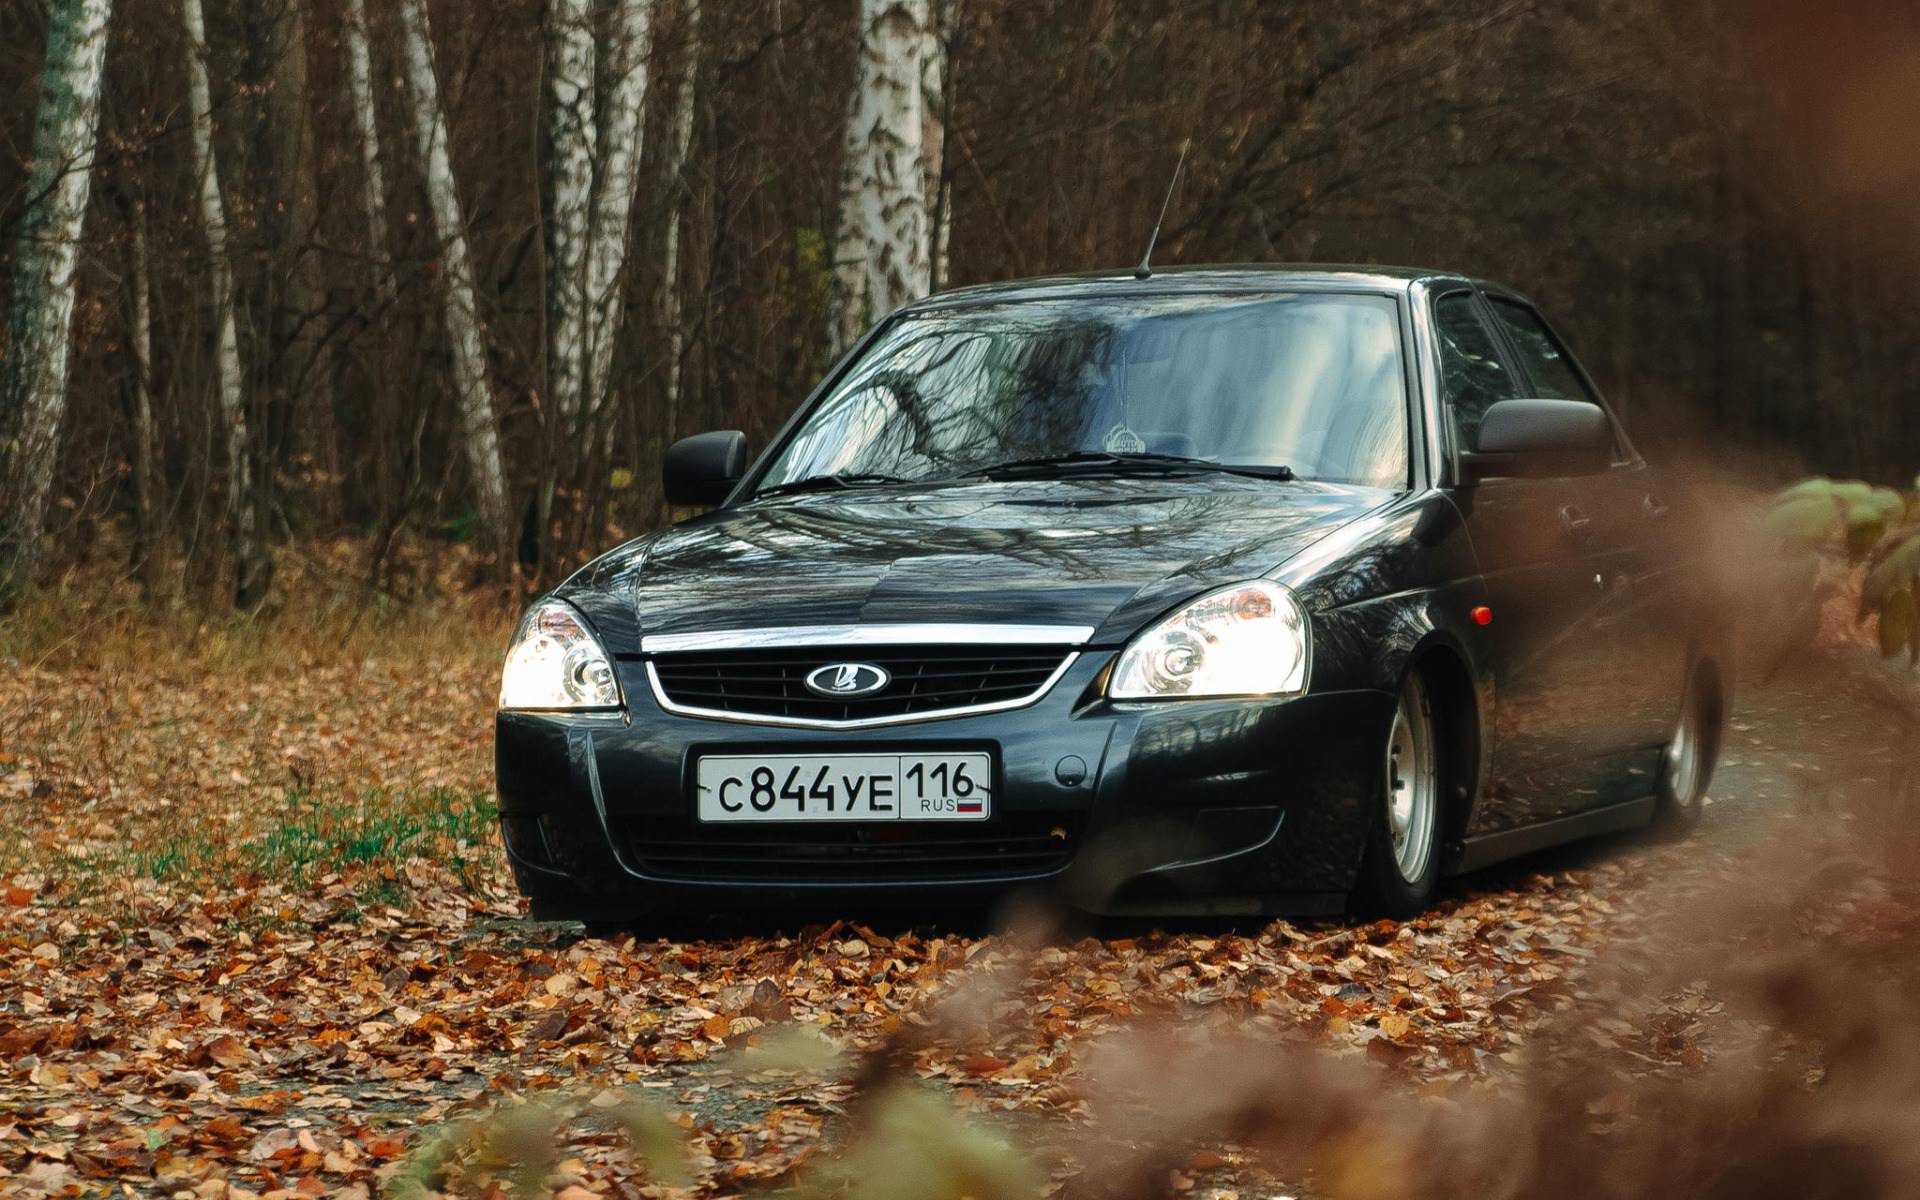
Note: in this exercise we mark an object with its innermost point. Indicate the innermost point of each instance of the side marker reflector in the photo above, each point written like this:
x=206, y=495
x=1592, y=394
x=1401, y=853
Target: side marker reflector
x=1482, y=615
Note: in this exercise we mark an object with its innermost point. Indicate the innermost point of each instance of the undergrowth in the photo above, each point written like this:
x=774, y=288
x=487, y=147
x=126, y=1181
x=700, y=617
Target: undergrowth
x=320, y=611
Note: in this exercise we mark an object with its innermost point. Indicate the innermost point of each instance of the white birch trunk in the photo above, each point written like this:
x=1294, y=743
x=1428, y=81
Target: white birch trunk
x=615, y=183
x=882, y=257
x=935, y=107
x=682, y=141
x=479, y=429
x=570, y=133
x=213, y=220
x=33, y=380
x=373, y=169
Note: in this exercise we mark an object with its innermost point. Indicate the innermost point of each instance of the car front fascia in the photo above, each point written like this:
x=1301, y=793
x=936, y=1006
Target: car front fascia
x=1179, y=798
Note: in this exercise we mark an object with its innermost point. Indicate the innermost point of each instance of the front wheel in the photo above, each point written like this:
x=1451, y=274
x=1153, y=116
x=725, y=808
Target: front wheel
x=1401, y=864
x=1687, y=765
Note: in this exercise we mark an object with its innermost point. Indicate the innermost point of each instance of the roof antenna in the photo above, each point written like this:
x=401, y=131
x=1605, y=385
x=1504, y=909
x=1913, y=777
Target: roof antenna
x=1145, y=269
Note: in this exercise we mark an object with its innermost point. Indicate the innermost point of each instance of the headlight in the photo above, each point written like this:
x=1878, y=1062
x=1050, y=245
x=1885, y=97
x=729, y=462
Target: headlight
x=555, y=662
x=1246, y=640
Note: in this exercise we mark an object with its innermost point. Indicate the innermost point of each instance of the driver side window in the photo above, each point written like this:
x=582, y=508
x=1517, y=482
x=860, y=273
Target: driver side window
x=1473, y=376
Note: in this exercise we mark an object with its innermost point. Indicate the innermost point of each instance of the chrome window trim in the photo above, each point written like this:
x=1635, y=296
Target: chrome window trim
x=828, y=636
x=937, y=714
x=1436, y=435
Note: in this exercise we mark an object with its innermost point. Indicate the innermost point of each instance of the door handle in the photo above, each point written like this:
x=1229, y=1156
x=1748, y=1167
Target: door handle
x=1578, y=524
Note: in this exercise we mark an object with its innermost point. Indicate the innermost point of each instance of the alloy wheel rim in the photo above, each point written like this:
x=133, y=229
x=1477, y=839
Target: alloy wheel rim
x=1683, y=755
x=1412, y=786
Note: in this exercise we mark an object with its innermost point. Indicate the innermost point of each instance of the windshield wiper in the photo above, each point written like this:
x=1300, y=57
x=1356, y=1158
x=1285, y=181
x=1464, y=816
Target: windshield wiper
x=1097, y=460
x=829, y=483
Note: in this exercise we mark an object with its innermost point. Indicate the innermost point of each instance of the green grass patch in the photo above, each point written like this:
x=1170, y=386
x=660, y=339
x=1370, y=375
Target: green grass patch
x=366, y=835
x=329, y=830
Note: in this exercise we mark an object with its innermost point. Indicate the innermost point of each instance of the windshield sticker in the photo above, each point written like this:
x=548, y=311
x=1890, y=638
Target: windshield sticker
x=1121, y=440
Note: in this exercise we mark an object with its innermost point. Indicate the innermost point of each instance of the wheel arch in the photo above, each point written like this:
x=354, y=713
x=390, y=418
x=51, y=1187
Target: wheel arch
x=1460, y=711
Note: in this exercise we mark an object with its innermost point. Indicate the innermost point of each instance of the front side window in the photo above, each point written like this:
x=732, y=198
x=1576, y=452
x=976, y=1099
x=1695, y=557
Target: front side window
x=1472, y=374
x=1541, y=355
x=1314, y=382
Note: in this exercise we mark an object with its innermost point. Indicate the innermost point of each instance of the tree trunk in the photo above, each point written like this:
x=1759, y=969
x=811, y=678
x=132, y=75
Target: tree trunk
x=882, y=258
x=146, y=537
x=936, y=113
x=615, y=180
x=569, y=130
x=298, y=368
x=459, y=309
x=681, y=141
x=373, y=171
x=228, y=381
x=33, y=378
x=389, y=419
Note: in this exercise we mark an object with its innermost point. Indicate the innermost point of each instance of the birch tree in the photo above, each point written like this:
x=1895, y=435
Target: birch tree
x=936, y=112
x=680, y=134
x=883, y=255
x=570, y=134
x=33, y=379
x=616, y=180
x=460, y=311
x=592, y=141
x=228, y=381
x=366, y=127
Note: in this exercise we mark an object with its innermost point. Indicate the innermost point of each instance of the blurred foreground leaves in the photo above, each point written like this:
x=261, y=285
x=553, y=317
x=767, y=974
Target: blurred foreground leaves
x=1872, y=530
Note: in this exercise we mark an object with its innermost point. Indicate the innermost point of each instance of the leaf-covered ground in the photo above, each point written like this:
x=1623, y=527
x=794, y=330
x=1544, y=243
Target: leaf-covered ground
x=255, y=937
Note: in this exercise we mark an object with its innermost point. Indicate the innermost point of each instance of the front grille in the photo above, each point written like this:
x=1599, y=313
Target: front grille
x=925, y=680
x=1007, y=847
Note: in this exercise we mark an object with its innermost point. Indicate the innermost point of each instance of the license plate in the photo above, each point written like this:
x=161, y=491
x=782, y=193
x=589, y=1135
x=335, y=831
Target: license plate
x=846, y=787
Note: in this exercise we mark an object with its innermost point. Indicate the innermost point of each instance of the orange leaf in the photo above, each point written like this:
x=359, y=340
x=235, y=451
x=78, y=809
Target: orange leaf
x=982, y=1064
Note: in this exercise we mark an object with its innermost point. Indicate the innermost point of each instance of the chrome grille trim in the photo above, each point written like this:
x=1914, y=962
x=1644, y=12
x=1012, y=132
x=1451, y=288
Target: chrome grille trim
x=803, y=637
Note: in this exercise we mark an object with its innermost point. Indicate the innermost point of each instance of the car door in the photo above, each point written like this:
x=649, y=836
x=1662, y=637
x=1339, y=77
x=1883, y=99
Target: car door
x=1534, y=553
x=1640, y=614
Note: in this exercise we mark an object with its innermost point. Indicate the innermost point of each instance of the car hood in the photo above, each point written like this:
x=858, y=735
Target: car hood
x=1109, y=554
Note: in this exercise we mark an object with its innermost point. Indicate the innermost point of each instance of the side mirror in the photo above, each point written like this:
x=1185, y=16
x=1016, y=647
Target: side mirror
x=701, y=470
x=1541, y=437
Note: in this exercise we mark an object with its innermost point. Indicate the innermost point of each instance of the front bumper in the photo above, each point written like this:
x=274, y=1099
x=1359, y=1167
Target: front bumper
x=1201, y=805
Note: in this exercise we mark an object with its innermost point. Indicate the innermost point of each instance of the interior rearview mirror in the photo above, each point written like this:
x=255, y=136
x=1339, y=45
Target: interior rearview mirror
x=1541, y=437
x=701, y=471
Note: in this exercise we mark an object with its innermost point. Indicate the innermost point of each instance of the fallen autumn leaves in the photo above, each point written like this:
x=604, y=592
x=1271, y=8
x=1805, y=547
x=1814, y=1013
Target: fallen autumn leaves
x=264, y=1037
x=191, y=1003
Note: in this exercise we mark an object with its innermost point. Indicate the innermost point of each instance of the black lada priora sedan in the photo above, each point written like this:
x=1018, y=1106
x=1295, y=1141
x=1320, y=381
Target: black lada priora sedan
x=1233, y=590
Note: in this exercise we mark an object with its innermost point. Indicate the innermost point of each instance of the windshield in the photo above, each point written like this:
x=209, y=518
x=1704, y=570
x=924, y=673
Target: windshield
x=1311, y=381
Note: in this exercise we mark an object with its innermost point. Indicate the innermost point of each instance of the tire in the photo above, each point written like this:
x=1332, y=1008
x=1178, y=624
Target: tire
x=1401, y=864
x=1686, y=765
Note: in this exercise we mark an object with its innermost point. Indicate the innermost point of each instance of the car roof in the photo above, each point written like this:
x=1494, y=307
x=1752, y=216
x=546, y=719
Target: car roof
x=1198, y=279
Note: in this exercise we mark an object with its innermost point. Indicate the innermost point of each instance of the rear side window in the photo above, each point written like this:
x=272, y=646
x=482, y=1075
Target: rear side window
x=1541, y=355
x=1471, y=371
